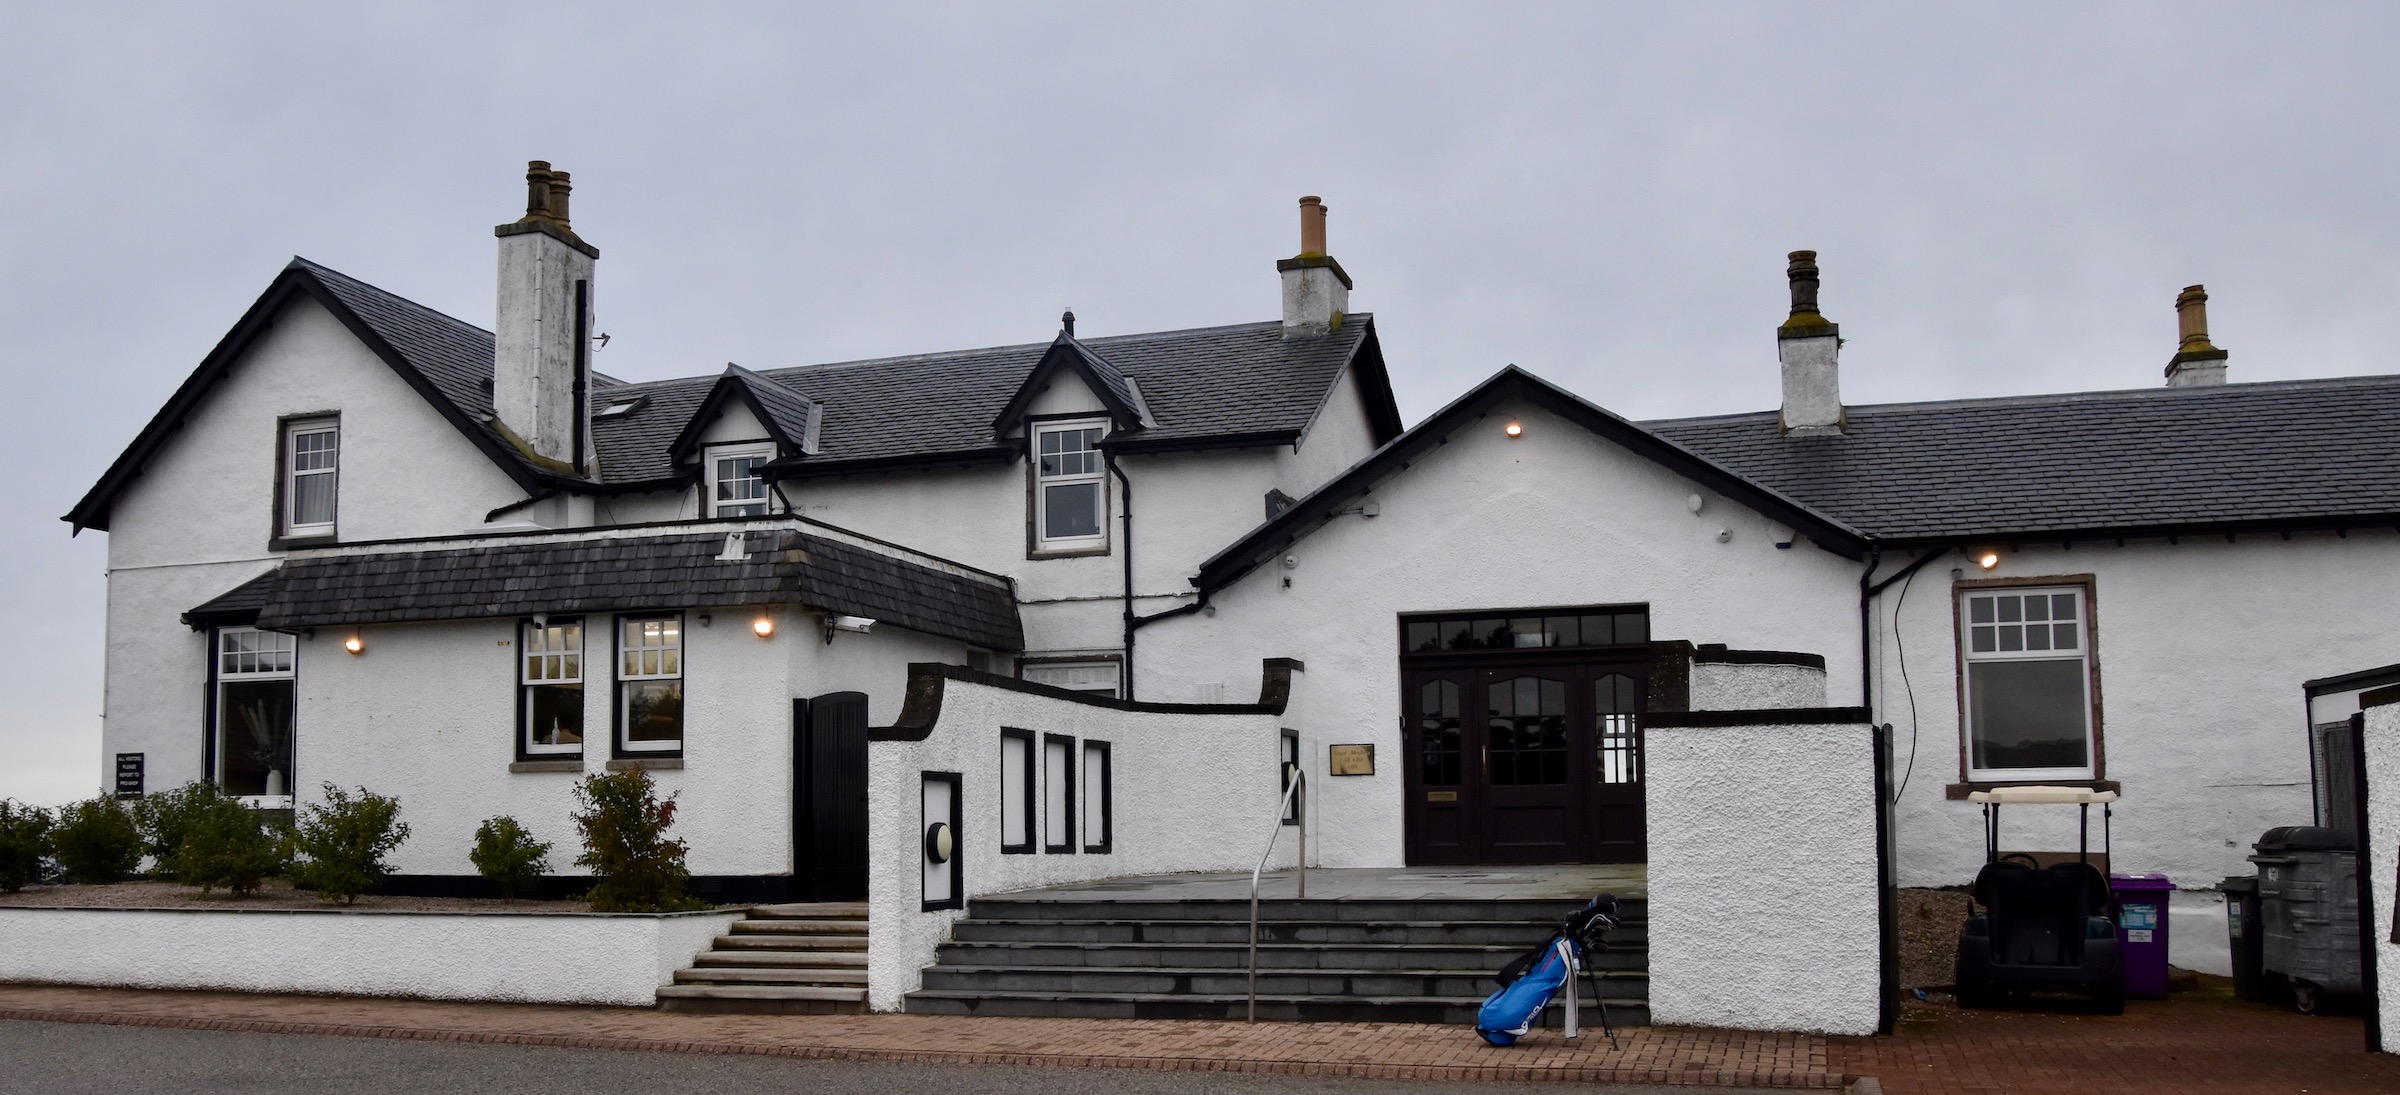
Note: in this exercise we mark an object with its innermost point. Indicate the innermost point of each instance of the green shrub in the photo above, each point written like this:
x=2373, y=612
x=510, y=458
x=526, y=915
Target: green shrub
x=225, y=843
x=637, y=866
x=166, y=817
x=24, y=843
x=344, y=840
x=508, y=855
x=96, y=841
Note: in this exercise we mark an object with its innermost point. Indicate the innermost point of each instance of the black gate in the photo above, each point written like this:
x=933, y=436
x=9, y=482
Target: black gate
x=829, y=782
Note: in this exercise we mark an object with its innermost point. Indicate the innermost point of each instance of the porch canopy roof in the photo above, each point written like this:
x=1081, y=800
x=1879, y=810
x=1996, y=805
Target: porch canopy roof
x=786, y=561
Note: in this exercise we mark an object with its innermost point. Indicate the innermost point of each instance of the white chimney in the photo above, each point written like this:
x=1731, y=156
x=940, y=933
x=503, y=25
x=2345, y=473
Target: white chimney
x=2196, y=363
x=1316, y=292
x=542, y=350
x=1810, y=348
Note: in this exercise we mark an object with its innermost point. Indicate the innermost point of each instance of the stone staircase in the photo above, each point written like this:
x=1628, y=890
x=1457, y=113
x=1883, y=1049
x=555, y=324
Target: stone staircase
x=1361, y=960
x=781, y=959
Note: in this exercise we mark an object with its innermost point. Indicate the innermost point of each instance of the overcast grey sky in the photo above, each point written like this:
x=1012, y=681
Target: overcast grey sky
x=2005, y=198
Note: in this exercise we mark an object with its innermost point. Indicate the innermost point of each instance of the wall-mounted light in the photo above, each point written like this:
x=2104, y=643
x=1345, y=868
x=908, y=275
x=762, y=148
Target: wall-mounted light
x=940, y=842
x=858, y=624
x=1514, y=428
x=1987, y=559
x=763, y=627
x=355, y=645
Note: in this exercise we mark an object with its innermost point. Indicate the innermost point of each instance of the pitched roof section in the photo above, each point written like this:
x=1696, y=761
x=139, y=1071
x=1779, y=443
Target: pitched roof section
x=238, y=605
x=1115, y=391
x=788, y=417
x=1318, y=507
x=675, y=570
x=2284, y=454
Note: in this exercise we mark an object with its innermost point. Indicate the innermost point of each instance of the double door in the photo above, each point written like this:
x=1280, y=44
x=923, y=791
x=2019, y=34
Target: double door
x=1524, y=760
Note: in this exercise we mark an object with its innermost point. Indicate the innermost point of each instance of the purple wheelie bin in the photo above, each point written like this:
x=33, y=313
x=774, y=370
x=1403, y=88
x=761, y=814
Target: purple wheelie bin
x=2142, y=932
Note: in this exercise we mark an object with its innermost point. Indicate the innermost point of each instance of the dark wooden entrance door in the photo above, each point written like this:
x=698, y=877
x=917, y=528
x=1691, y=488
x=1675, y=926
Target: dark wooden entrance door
x=1526, y=759
x=829, y=814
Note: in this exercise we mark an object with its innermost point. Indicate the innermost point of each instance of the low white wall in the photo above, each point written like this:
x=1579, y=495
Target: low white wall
x=1194, y=788
x=1764, y=912
x=2382, y=862
x=557, y=958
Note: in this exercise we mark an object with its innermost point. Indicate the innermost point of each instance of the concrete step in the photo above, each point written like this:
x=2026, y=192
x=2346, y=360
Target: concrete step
x=763, y=999
x=776, y=975
x=843, y=926
x=1269, y=931
x=812, y=910
x=1320, y=1009
x=760, y=956
x=792, y=943
x=1186, y=981
x=1547, y=914
x=1473, y=958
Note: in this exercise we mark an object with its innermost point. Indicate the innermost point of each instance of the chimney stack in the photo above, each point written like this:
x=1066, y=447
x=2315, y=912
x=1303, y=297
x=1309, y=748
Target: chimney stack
x=1809, y=347
x=2196, y=364
x=541, y=357
x=1316, y=291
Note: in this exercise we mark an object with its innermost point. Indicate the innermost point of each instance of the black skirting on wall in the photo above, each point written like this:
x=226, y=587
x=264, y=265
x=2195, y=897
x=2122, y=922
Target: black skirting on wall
x=722, y=889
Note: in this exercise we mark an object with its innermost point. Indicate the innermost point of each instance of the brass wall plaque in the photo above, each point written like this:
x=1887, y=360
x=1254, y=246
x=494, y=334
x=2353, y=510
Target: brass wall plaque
x=1351, y=760
x=1441, y=796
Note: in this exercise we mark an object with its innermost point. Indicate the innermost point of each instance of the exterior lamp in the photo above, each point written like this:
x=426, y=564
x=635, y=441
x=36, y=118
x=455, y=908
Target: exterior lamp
x=1514, y=429
x=355, y=645
x=1987, y=559
x=763, y=627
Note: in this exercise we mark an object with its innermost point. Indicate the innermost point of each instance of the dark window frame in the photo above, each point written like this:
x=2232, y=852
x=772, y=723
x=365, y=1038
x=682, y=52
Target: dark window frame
x=1066, y=795
x=524, y=733
x=1027, y=792
x=1030, y=447
x=2088, y=584
x=1405, y=620
x=617, y=749
x=958, y=840
x=1287, y=757
x=1107, y=786
x=277, y=538
x=212, y=706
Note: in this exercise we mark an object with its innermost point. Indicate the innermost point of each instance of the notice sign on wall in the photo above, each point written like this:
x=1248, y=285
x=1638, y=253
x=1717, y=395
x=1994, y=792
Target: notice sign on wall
x=1351, y=760
x=129, y=775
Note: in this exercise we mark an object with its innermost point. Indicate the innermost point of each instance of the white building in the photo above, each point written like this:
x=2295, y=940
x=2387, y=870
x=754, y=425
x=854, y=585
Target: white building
x=367, y=543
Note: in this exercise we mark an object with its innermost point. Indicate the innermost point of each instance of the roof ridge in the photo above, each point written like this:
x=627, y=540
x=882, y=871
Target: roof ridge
x=2051, y=398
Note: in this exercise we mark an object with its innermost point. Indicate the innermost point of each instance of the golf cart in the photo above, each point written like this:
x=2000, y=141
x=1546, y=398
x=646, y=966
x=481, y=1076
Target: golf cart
x=2042, y=926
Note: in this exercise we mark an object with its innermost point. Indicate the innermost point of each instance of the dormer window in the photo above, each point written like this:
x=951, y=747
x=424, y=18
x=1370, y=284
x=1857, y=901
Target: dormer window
x=736, y=485
x=311, y=463
x=1069, y=499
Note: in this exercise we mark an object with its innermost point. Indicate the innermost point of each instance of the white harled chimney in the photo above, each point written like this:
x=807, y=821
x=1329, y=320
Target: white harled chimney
x=1810, y=348
x=541, y=355
x=2196, y=363
x=1316, y=292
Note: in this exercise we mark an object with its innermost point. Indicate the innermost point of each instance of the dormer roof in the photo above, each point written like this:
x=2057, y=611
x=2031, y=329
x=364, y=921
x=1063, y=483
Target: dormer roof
x=790, y=418
x=1109, y=384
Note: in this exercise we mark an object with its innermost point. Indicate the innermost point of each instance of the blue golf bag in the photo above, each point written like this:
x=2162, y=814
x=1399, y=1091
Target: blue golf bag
x=1529, y=983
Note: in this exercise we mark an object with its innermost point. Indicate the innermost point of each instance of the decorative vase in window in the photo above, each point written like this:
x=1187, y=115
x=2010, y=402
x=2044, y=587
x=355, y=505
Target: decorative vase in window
x=274, y=781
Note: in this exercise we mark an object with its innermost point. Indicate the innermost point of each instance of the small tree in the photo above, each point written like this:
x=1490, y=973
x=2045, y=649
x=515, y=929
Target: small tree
x=625, y=843
x=344, y=840
x=508, y=855
x=96, y=841
x=166, y=818
x=24, y=843
x=226, y=843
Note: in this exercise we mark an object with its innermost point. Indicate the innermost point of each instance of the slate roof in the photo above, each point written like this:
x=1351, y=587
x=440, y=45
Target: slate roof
x=238, y=605
x=2284, y=453
x=677, y=570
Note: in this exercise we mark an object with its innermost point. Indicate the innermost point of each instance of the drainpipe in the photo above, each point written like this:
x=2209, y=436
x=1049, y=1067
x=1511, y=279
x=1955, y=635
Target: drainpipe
x=1125, y=486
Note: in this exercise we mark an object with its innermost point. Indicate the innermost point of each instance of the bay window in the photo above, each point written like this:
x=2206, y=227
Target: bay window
x=650, y=684
x=2027, y=701
x=253, y=711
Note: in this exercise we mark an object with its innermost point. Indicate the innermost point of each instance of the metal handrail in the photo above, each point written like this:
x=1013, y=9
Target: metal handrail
x=1299, y=780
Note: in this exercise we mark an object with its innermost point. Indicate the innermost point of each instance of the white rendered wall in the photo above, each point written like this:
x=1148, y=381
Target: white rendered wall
x=1736, y=686
x=1191, y=792
x=1764, y=913
x=2203, y=647
x=619, y=959
x=196, y=523
x=1556, y=517
x=2381, y=863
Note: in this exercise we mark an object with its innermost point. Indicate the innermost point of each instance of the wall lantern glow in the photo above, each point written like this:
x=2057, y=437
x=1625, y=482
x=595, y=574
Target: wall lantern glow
x=355, y=645
x=763, y=627
x=1987, y=559
x=1514, y=428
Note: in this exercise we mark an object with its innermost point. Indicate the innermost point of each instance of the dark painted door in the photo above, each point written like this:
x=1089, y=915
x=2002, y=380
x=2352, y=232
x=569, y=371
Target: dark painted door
x=829, y=830
x=1533, y=759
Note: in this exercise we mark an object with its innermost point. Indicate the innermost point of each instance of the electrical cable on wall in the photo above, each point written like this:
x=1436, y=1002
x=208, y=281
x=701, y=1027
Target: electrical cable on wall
x=1900, y=647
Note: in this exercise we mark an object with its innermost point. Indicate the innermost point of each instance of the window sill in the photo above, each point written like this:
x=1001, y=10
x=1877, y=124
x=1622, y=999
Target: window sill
x=1958, y=792
x=1068, y=552
x=575, y=765
x=305, y=540
x=654, y=764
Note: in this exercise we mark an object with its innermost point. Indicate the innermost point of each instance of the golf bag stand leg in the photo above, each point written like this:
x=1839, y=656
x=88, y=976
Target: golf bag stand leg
x=1593, y=975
